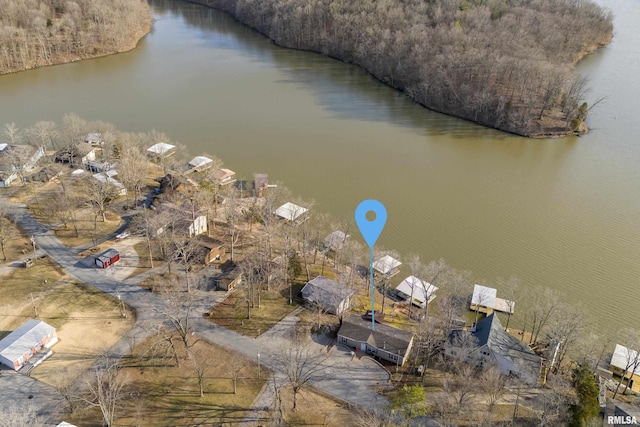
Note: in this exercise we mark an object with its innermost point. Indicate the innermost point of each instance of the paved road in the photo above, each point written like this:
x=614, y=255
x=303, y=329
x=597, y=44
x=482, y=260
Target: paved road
x=350, y=380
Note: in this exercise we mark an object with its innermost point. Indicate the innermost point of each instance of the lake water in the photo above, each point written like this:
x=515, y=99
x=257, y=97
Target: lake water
x=562, y=213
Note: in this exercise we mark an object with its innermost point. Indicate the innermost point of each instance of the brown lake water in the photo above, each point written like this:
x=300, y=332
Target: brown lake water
x=562, y=213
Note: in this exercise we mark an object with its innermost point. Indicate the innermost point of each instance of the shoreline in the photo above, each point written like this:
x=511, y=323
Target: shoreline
x=549, y=131
x=135, y=41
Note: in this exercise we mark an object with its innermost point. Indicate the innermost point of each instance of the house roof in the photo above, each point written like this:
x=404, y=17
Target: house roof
x=160, y=148
x=3, y=146
x=103, y=178
x=385, y=337
x=94, y=137
x=210, y=242
x=484, y=296
x=325, y=291
x=386, y=264
x=421, y=290
x=108, y=254
x=491, y=333
x=290, y=211
x=199, y=161
x=336, y=240
x=223, y=174
x=622, y=356
x=26, y=336
x=15, y=156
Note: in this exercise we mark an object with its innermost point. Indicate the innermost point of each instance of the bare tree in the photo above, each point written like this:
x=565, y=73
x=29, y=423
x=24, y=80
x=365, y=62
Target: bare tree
x=13, y=415
x=7, y=231
x=106, y=390
x=178, y=312
x=236, y=366
x=543, y=304
x=12, y=134
x=201, y=364
x=631, y=356
x=300, y=364
x=132, y=168
x=493, y=385
x=509, y=288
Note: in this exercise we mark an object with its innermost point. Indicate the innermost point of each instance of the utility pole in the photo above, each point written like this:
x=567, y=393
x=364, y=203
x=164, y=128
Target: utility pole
x=258, y=365
x=34, y=305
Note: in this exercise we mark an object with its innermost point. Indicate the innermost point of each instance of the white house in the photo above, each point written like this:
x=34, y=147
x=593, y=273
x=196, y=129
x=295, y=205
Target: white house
x=21, y=345
x=161, y=149
x=108, y=180
x=198, y=226
x=386, y=266
x=200, y=163
x=94, y=139
x=417, y=290
x=291, y=212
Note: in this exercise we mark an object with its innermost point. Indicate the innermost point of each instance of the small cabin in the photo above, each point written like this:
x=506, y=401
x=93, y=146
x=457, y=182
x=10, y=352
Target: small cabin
x=229, y=279
x=107, y=258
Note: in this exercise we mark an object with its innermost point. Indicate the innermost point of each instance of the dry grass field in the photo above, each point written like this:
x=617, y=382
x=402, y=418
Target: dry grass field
x=88, y=321
x=160, y=393
x=274, y=306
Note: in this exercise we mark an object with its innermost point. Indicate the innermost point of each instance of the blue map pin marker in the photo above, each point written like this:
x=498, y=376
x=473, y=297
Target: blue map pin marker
x=371, y=230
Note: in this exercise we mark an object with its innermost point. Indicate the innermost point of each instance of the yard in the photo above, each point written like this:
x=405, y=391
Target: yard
x=160, y=393
x=88, y=321
x=17, y=245
x=274, y=306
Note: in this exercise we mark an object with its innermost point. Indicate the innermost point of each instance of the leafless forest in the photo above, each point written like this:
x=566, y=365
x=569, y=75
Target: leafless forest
x=34, y=33
x=506, y=64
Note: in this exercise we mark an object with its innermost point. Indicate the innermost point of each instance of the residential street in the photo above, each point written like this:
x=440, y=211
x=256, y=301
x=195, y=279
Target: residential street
x=350, y=380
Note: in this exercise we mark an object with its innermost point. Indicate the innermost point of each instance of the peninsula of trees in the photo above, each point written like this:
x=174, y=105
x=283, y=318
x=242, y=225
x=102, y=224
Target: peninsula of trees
x=506, y=64
x=35, y=33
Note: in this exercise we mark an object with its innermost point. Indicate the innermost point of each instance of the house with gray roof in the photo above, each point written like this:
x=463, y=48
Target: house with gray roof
x=22, y=345
x=496, y=346
x=385, y=342
x=328, y=294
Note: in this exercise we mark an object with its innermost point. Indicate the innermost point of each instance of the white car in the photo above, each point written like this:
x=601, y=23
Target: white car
x=123, y=235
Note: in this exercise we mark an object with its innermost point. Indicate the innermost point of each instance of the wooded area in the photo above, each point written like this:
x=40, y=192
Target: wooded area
x=506, y=64
x=34, y=33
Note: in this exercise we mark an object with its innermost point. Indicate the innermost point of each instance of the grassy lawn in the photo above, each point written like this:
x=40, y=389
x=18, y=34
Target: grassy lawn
x=88, y=321
x=316, y=410
x=274, y=306
x=86, y=231
x=144, y=264
x=17, y=247
x=17, y=287
x=159, y=393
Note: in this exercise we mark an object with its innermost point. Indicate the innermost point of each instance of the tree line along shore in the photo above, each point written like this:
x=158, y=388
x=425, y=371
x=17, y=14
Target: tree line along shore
x=508, y=65
x=36, y=33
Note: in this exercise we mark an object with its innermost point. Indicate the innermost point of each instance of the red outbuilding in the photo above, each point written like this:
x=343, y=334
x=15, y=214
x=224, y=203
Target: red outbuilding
x=107, y=258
